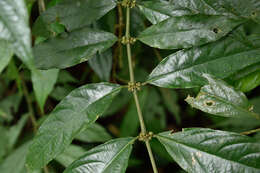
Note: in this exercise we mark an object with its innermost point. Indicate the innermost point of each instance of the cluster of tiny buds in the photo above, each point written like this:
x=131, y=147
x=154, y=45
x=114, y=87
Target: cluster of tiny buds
x=128, y=40
x=134, y=86
x=129, y=3
x=145, y=136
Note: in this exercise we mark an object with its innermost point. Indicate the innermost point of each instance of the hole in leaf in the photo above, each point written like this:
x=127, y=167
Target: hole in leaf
x=216, y=30
x=253, y=14
x=209, y=103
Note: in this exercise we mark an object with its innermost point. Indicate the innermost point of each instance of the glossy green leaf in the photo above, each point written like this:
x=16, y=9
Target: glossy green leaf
x=184, y=68
x=73, y=14
x=6, y=53
x=101, y=63
x=80, y=108
x=187, y=31
x=206, y=150
x=248, y=82
x=220, y=99
x=247, y=9
x=43, y=83
x=71, y=153
x=111, y=156
x=157, y=11
x=69, y=49
x=93, y=133
x=14, y=24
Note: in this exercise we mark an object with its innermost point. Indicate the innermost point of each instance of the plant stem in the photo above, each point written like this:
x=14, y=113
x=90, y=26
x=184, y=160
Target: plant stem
x=41, y=6
x=251, y=131
x=29, y=104
x=132, y=79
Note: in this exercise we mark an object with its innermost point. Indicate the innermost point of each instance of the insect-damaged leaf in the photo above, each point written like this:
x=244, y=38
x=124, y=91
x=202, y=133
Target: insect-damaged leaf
x=184, y=68
x=220, y=99
x=73, y=14
x=206, y=150
x=69, y=49
x=187, y=31
x=81, y=107
x=14, y=28
x=109, y=157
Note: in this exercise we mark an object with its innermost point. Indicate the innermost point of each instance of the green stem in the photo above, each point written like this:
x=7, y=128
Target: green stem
x=29, y=104
x=251, y=131
x=131, y=71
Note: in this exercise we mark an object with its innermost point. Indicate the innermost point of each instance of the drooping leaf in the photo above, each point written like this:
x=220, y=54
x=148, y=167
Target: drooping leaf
x=93, y=133
x=80, y=108
x=187, y=31
x=72, y=153
x=157, y=11
x=6, y=53
x=220, y=99
x=184, y=68
x=14, y=24
x=43, y=83
x=72, y=14
x=248, y=9
x=206, y=150
x=69, y=49
x=101, y=63
x=110, y=157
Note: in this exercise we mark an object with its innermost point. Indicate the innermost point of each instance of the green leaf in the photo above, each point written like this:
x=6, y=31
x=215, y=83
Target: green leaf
x=248, y=9
x=80, y=108
x=93, y=133
x=187, y=31
x=220, y=99
x=3, y=143
x=43, y=83
x=248, y=82
x=69, y=49
x=15, y=131
x=206, y=150
x=101, y=63
x=73, y=14
x=72, y=153
x=6, y=53
x=110, y=157
x=14, y=24
x=184, y=68
x=157, y=11
x=15, y=162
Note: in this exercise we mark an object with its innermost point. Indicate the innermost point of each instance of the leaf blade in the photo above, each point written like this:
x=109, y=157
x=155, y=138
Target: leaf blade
x=184, y=68
x=115, y=150
x=81, y=107
x=14, y=22
x=220, y=99
x=188, y=31
x=73, y=48
x=194, y=151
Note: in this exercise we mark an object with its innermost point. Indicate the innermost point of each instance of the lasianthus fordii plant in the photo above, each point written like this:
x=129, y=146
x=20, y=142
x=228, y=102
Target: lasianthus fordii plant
x=83, y=65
